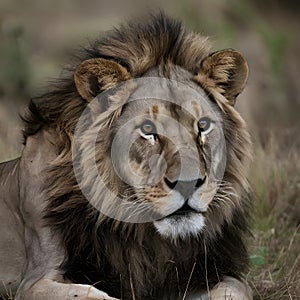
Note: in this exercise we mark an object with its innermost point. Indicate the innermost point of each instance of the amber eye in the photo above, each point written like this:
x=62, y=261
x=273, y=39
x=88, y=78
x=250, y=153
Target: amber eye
x=148, y=128
x=204, y=125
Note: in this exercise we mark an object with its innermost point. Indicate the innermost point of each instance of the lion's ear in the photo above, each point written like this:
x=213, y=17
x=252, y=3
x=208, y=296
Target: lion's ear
x=226, y=72
x=96, y=75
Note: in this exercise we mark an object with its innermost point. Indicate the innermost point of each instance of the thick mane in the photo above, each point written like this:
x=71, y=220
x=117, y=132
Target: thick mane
x=108, y=256
x=138, y=46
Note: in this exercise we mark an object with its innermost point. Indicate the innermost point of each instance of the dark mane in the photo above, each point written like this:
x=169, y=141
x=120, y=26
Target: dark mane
x=137, y=46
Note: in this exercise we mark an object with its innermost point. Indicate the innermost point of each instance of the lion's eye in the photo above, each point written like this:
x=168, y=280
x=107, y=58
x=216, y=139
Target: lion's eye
x=148, y=131
x=205, y=125
x=148, y=128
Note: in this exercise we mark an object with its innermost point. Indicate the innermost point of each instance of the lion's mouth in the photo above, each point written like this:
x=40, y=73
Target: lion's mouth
x=183, y=211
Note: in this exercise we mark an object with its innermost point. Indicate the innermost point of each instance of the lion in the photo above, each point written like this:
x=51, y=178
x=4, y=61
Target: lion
x=132, y=181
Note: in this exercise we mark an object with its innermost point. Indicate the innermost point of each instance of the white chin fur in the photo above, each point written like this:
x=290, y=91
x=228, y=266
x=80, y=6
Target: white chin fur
x=180, y=226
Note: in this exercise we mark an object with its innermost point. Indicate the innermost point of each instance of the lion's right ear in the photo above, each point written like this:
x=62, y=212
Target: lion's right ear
x=96, y=75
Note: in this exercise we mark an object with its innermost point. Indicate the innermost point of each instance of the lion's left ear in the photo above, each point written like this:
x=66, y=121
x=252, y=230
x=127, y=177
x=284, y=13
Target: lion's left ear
x=96, y=75
x=226, y=72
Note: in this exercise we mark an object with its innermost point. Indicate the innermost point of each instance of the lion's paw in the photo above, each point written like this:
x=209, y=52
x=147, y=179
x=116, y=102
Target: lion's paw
x=231, y=289
x=84, y=292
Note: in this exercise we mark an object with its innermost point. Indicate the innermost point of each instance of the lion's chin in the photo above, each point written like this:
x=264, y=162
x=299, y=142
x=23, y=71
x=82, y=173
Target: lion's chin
x=183, y=226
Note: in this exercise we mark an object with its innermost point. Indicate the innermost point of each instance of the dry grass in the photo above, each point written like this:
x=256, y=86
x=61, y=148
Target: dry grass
x=275, y=248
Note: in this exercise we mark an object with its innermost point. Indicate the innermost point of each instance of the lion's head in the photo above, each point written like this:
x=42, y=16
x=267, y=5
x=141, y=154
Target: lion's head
x=147, y=132
x=158, y=150
x=168, y=148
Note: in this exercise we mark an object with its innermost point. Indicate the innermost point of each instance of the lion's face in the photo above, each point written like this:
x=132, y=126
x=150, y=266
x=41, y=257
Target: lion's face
x=169, y=159
x=160, y=148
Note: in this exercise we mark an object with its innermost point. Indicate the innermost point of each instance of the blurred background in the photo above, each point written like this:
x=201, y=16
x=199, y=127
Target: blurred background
x=37, y=37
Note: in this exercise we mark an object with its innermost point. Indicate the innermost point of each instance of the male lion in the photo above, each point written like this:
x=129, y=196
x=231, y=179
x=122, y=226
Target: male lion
x=131, y=184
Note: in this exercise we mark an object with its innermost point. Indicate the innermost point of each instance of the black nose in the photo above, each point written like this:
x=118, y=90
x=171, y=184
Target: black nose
x=185, y=188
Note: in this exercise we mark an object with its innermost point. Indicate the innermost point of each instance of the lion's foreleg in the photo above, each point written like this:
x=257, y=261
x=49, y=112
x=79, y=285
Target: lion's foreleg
x=47, y=289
